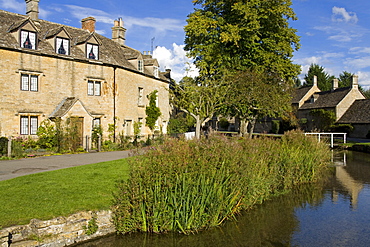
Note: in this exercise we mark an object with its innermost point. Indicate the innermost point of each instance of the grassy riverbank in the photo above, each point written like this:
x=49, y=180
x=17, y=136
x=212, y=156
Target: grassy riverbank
x=59, y=193
x=186, y=186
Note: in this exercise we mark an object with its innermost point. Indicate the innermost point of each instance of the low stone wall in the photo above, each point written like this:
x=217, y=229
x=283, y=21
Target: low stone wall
x=61, y=231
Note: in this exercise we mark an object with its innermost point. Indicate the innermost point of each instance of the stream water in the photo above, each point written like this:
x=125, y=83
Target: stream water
x=336, y=213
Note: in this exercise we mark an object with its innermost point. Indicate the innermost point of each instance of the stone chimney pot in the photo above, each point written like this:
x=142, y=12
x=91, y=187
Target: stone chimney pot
x=89, y=24
x=119, y=32
x=335, y=84
x=32, y=9
x=315, y=80
x=355, y=81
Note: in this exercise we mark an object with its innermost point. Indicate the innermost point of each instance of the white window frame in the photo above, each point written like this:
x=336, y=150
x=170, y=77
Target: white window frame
x=140, y=65
x=155, y=71
x=66, y=45
x=140, y=96
x=96, y=122
x=24, y=34
x=28, y=125
x=94, y=88
x=94, y=48
x=29, y=82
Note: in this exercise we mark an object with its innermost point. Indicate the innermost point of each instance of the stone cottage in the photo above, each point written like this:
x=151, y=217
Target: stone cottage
x=50, y=70
x=337, y=100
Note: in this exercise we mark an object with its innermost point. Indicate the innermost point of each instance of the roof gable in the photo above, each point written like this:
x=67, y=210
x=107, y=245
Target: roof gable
x=27, y=24
x=327, y=99
x=357, y=113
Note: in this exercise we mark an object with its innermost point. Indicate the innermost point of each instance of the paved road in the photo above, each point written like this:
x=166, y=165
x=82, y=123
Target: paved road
x=16, y=168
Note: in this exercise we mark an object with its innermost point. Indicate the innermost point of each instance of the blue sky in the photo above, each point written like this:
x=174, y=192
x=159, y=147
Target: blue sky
x=334, y=33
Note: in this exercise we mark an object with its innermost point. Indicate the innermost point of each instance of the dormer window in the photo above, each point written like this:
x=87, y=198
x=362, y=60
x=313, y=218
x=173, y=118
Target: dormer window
x=62, y=46
x=155, y=71
x=92, y=51
x=140, y=66
x=28, y=39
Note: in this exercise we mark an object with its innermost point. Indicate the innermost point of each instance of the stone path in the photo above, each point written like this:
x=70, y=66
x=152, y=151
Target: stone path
x=16, y=168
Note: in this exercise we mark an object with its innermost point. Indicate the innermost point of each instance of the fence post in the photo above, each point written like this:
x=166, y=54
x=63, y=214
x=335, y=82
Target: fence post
x=87, y=143
x=99, y=143
x=9, y=146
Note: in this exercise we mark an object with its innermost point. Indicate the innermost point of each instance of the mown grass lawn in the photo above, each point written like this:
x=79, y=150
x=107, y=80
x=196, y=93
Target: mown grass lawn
x=59, y=193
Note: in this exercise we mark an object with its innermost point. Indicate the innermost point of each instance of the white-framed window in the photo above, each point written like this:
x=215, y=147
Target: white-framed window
x=28, y=39
x=29, y=82
x=92, y=51
x=96, y=122
x=62, y=46
x=140, y=96
x=140, y=120
x=140, y=65
x=155, y=71
x=93, y=88
x=29, y=125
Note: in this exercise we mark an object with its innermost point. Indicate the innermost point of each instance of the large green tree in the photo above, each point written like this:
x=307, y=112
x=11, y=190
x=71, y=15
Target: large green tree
x=255, y=95
x=232, y=35
x=324, y=80
x=226, y=37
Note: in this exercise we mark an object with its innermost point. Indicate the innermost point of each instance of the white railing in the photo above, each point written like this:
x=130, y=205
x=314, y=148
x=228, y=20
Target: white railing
x=331, y=137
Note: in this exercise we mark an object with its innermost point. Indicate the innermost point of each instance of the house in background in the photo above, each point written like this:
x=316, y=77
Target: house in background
x=358, y=115
x=337, y=100
x=50, y=70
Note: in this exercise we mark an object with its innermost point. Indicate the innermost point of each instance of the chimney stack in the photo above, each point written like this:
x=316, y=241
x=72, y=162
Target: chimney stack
x=355, y=81
x=335, y=84
x=315, y=80
x=89, y=24
x=119, y=32
x=32, y=9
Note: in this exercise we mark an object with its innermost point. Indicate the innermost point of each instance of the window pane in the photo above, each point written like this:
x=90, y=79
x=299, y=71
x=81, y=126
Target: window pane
x=34, y=83
x=141, y=93
x=28, y=40
x=92, y=51
x=96, y=122
x=33, y=126
x=97, y=88
x=90, y=88
x=24, y=82
x=24, y=125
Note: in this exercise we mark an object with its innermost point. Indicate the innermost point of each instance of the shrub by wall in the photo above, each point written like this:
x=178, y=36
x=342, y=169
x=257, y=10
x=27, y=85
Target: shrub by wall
x=186, y=186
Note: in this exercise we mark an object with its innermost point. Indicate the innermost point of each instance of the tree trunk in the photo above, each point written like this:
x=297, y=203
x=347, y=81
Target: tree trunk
x=197, y=127
x=243, y=129
x=252, y=124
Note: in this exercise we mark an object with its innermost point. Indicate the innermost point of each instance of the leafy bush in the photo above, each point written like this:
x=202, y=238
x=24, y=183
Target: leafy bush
x=3, y=145
x=342, y=128
x=186, y=186
x=224, y=123
x=275, y=126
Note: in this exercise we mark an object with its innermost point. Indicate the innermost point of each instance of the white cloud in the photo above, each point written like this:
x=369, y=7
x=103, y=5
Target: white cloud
x=17, y=6
x=359, y=50
x=359, y=63
x=341, y=15
x=159, y=24
x=176, y=60
x=364, y=79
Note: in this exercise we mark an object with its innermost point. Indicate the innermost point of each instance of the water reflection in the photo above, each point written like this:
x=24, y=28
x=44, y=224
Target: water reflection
x=335, y=213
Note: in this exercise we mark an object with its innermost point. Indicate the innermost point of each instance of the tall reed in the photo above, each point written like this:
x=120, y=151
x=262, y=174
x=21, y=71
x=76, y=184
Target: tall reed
x=186, y=186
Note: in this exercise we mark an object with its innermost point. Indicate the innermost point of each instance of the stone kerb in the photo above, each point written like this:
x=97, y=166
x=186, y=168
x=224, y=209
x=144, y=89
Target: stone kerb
x=61, y=231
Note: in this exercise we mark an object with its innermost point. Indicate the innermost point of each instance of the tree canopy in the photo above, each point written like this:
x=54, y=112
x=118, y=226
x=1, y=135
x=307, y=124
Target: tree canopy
x=324, y=80
x=226, y=36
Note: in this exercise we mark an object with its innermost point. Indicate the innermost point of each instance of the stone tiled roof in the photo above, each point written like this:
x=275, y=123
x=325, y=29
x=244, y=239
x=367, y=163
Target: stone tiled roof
x=327, y=99
x=110, y=52
x=357, y=113
x=64, y=107
x=299, y=93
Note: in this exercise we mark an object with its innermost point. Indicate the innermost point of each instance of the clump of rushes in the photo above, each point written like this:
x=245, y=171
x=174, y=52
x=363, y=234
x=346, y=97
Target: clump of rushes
x=187, y=186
